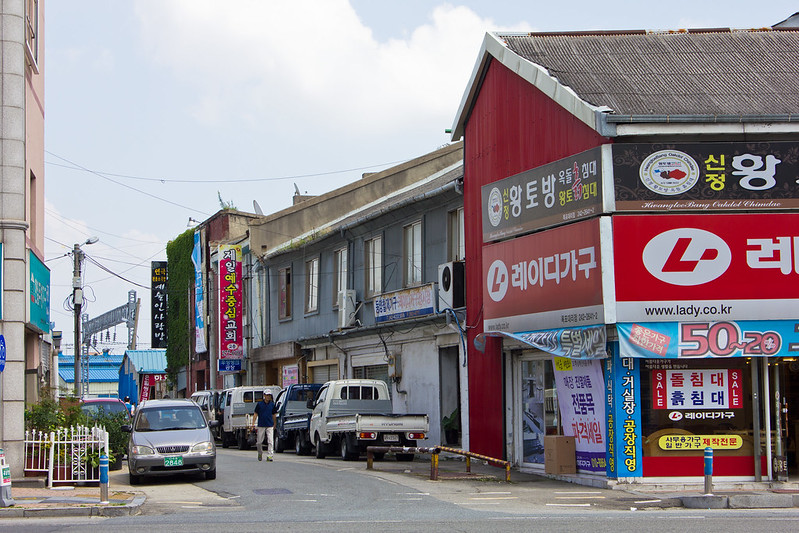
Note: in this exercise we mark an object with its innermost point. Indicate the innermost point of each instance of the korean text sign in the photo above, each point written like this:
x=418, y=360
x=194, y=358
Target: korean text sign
x=581, y=396
x=700, y=267
x=706, y=176
x=230, y=302
x=158, y=295
x=551, y=279
x=562, y=191
x=697, y=389
x=625, y=448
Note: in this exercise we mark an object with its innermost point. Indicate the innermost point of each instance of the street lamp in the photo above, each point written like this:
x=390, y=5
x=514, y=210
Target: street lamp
x=77, y=301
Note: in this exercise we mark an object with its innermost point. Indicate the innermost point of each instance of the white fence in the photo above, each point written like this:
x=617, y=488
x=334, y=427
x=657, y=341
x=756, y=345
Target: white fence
x=67, y=455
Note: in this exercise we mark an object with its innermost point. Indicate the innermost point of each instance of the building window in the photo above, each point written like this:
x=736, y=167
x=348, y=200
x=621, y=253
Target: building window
x=284, y=293
x=372, y=372
x=455, y=237
x=32, y=34
x=312, y=285
x=412, y=253
x=374, y=266
x=339, y=273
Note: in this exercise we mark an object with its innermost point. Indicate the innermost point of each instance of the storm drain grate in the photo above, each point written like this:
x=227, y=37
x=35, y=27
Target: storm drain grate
x=271, y=492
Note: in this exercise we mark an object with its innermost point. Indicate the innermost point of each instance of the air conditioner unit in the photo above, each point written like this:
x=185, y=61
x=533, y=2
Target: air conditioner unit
x=451, y=285
x=346, y=308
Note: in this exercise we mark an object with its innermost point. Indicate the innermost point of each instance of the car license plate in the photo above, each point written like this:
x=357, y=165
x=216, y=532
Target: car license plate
x=173, y=461
x=390, y=438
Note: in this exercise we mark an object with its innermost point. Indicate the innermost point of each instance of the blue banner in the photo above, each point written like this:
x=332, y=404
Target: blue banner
x=625, y=450
x=690, y=340
x=229, y=365
x=587, y=342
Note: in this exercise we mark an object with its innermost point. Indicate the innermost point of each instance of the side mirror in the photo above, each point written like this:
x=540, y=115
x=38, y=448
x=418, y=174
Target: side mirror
x=126, y=428
x=309, y=403
x=213, y=423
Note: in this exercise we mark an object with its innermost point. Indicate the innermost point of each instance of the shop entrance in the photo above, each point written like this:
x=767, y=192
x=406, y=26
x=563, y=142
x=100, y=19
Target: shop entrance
x=782, y=408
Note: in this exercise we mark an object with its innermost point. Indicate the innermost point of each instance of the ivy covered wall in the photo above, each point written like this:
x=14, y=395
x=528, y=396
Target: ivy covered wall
x=179, y=326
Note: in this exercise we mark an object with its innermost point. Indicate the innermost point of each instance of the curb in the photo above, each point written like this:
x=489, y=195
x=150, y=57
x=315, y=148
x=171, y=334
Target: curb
x=104, y=510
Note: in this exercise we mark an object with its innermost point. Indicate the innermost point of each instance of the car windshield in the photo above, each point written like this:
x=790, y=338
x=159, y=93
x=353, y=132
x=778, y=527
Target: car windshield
x=169, y=418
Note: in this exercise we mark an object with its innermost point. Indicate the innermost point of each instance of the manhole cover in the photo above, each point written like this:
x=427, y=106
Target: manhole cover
x=271, y=492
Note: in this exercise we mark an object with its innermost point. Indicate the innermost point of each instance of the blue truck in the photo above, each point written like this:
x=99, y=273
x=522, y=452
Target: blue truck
x=293, y=418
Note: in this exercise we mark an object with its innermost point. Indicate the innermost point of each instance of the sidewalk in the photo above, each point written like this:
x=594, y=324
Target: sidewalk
x=33, y=499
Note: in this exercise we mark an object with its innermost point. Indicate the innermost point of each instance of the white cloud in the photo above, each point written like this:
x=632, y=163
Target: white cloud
x=312, y=62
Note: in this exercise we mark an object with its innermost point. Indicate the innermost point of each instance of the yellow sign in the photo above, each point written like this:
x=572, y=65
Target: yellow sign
x=700, y=442
x=563, y=364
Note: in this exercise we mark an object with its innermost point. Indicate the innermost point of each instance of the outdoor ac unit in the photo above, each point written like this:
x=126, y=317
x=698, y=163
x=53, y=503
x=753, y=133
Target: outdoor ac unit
x=451, y=285
x=346, y=308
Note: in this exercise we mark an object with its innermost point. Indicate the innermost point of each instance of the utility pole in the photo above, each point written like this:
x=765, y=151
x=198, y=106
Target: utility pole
x=77, y=302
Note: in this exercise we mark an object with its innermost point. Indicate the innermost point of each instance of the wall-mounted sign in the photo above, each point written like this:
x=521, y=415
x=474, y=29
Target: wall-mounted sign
x=231, y=341
x=706, y=176
x=39, y=293
x=158, y=296
x=563, y=191
x=199, y=295
x=547, y=280
x=405, y=303
x=697, y=389
x=700, y=267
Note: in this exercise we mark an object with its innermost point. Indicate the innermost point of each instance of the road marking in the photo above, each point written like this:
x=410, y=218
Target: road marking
x=502, y=492
x=477, y=503
x=579, y=497
x=497, y=498
x=569, y=504
x=578, y=492
x=302, y=500
x=649, y=501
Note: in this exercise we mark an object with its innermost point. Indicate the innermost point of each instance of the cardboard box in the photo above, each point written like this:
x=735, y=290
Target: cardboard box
x=559, y=455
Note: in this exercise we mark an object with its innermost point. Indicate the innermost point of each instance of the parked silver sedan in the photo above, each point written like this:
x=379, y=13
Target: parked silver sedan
x=170, y=437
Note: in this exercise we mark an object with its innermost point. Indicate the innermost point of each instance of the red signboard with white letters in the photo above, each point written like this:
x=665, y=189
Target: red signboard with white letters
x=710, y=267
x=547, y=280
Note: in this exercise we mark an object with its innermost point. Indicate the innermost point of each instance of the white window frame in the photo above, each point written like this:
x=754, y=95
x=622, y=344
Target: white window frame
x=340, y=269
x=32, y=34
x=412, y=244
x=373, y=265
x=312, y=285
x=456, y=240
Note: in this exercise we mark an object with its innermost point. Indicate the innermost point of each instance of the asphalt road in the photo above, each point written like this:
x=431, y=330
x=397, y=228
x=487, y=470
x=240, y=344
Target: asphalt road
x=307, y=494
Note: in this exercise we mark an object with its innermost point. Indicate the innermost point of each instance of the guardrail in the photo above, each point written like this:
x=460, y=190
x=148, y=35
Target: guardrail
x=434, y=452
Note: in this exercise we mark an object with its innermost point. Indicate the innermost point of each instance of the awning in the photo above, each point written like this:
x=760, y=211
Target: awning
x=588, y=342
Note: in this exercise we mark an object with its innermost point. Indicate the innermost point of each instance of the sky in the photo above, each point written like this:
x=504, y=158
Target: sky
x=159, y=111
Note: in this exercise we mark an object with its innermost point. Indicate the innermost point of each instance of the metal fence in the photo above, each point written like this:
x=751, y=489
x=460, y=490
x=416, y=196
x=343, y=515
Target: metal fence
x=67, y=455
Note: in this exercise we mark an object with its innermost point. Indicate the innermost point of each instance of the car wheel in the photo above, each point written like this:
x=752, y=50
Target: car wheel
x=210, y=474
x=346, y=453
x=134, y=479
x=280, y=445
x=320, y=448
x=299, y=447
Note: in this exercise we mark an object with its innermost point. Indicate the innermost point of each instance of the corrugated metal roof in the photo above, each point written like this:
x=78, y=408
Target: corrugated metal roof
x=701, y=72
x=101, y=374
x=148, y=361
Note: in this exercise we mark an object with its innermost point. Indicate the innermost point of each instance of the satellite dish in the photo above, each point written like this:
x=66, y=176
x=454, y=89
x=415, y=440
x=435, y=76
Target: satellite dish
x=258, y=210
x=296, y=190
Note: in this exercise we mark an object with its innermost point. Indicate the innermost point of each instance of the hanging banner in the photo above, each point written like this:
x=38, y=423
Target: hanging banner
x=231, y=342
x=625, y=432
x=688, y=340
x=199, y=296
x=576, y=343
x=146, y=383
x=158, y=295
x=581, y=398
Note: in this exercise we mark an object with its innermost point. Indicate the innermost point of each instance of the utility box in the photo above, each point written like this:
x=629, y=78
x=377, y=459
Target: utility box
x=559, y=455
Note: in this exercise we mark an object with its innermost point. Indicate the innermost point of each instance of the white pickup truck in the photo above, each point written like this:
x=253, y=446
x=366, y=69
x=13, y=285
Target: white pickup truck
x=351, y=414
x=238, y=420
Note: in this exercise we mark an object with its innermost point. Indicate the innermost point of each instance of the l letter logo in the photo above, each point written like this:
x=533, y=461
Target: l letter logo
x=687, y=256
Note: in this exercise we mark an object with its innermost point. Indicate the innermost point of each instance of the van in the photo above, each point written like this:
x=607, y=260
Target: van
x=208, y=400
x=239, y=406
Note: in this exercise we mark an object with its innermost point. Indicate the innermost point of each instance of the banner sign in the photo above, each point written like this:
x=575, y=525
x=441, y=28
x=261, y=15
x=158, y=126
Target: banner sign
x=587, y=342
x=146, y=383
x=581, y=395
x=700, y=442
x=706, y=176
x=229, y=365
x=291, y=375
x=158, y=295
x=697, y=389
x=701, y=267
x=686, y=340
x=199, y=296
x=39, y=293
x=547, y=280
x=230, y=302
x=625, y=448
x=406, y=303
x=563, y=191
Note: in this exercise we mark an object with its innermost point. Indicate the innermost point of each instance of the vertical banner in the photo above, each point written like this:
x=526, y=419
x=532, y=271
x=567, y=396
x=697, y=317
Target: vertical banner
x=145, y=388
x=582, y=409
x=199, y=296
x=39, y=292
x=624, y=419
x=230, y=307
x=158, y=295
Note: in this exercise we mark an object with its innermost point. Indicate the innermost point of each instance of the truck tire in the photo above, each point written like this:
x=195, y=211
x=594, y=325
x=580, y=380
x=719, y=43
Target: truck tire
x=280, y=445
x=320, y=448
x=347, y=452
x=242, y=440
x=404, y=457
x=225, y=439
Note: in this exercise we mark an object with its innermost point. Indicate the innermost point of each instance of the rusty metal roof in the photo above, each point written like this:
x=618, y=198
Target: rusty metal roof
x=697, y=72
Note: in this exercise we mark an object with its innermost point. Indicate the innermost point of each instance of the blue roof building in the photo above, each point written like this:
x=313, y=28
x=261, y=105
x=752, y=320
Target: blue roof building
x=103, y=374
x=142, y=375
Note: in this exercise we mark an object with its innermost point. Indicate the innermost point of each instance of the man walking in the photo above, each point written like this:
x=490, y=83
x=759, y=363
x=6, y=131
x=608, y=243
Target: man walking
x=266, y=411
